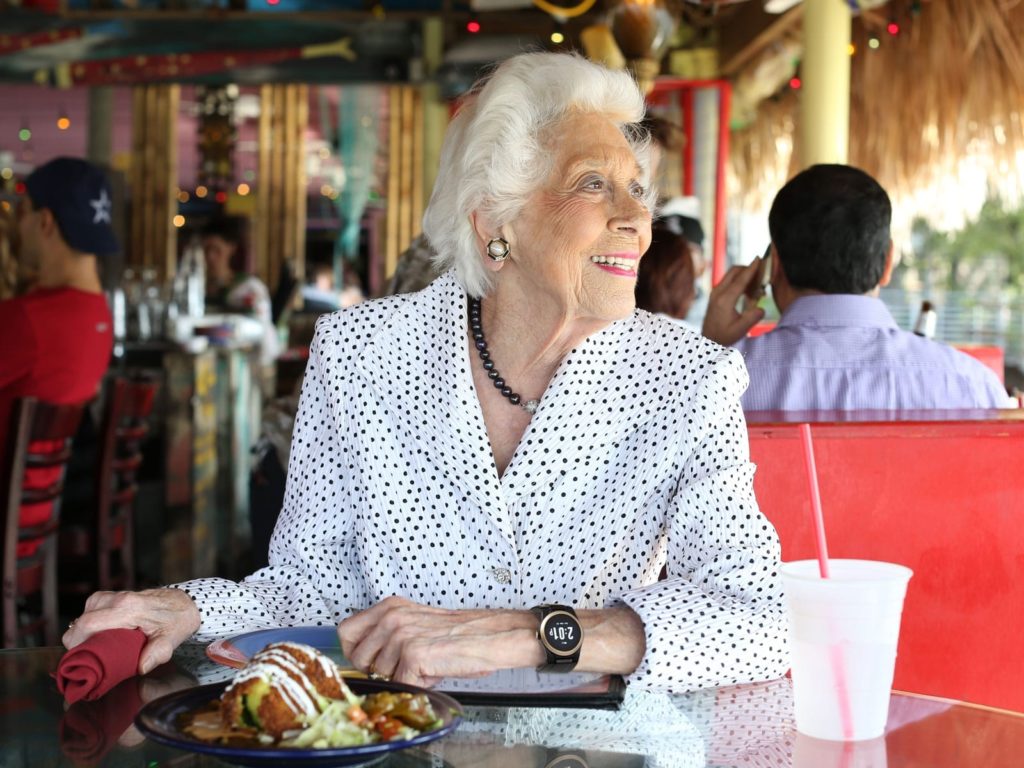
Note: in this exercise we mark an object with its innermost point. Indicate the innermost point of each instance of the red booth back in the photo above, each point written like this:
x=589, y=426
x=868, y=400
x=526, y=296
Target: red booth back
x=940, y=492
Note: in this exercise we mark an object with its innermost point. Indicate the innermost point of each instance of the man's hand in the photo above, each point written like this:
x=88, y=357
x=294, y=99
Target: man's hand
x=167, y=617
x=723, y=322
x=417, y=644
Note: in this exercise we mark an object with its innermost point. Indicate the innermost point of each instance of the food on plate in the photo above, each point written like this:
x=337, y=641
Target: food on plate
x=291, y=695
x=281, y=688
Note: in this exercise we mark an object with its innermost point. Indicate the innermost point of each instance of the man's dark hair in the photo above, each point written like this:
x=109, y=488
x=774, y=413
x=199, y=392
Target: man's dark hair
x=830, y=226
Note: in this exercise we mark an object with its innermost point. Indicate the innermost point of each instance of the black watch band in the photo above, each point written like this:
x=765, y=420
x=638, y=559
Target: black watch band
x=561, y=637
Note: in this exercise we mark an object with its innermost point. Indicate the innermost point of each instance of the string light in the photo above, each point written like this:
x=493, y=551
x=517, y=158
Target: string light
x=183, y=196
x=63, y=122
x=851, y=49
x=557, y=37
x=6, y=174
x=893, y=28
x=25, y=134
x=873, y=43
x=473, y=27
x=201, y=191
x=221, y=196
x=243, y=189
x=795, y=83
x=178, y=221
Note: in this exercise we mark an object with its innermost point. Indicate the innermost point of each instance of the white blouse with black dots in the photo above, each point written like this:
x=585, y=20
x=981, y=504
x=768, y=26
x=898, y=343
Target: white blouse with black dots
x=637, y=455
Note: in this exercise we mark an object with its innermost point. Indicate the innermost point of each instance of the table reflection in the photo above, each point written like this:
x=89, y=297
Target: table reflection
x=738, y=726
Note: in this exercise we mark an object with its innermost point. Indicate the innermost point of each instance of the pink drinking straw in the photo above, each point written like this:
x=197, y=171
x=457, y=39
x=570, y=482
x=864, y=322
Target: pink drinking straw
x=838, y=667
x=812, y=487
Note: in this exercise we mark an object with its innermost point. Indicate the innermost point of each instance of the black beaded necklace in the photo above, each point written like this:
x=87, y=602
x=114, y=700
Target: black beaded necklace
x=477, y=329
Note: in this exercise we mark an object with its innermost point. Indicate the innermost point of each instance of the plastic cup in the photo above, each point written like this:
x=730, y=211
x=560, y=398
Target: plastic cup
x=809, y=752
x=843, y=636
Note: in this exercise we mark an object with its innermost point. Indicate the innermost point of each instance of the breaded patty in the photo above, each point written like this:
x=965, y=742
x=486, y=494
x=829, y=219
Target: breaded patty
x=281, y=688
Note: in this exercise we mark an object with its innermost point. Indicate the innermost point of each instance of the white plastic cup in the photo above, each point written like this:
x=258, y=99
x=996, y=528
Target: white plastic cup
x=809, y=752
x=843, y=636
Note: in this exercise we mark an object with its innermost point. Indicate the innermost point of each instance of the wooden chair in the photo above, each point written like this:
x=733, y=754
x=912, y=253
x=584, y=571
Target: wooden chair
x=90, y=543
x=39, y=441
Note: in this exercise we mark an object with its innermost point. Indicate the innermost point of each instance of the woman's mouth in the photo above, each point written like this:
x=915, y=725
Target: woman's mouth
x=622, y=264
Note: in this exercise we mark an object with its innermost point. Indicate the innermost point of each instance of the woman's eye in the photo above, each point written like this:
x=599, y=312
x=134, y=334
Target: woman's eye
x=594, y=185
x=637, y=191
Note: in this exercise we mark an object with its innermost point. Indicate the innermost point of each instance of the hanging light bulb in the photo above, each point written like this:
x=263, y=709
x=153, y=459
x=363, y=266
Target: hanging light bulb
x=642, y=29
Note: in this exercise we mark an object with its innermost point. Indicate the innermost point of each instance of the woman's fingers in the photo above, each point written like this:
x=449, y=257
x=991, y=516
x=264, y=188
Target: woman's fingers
x=168, y=615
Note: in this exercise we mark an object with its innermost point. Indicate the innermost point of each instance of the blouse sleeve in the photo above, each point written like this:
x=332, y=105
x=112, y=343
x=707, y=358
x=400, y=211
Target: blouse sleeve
x=718, y=619
x=305, y=582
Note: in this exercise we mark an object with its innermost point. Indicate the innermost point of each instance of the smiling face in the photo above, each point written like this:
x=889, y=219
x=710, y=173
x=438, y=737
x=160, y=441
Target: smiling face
x=579, y=238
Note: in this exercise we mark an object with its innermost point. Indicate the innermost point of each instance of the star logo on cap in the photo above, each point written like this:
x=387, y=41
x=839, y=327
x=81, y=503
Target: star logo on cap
x=101, y=208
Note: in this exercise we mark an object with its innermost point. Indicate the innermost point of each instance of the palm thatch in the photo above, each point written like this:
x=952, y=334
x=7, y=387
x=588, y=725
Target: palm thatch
x=935, y=114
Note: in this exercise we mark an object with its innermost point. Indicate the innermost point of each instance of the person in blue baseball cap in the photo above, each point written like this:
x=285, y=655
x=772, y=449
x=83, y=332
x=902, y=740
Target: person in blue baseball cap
x=57, y=338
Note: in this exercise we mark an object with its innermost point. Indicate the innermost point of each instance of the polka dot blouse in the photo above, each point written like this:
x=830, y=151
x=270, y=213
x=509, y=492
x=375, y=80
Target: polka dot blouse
x=637, y=456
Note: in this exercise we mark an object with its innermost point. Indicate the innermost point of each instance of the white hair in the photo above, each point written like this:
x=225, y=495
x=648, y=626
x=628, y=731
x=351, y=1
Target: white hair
x=493, y=156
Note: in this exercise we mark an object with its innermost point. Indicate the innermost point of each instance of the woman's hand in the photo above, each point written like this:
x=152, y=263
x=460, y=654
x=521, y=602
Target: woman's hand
x=722, y=322
x=420, y=645
x=167, y=617
x=417, y=644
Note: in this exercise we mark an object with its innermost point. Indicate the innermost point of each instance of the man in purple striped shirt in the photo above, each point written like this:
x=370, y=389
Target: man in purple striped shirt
x=836, y=346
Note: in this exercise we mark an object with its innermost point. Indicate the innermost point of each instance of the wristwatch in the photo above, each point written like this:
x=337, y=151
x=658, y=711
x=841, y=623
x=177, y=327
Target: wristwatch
x=561, y=637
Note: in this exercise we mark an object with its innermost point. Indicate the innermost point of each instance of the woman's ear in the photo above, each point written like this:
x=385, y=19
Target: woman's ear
x=485, y=232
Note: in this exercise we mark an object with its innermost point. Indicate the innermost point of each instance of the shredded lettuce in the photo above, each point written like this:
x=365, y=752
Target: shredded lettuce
x=332, y=728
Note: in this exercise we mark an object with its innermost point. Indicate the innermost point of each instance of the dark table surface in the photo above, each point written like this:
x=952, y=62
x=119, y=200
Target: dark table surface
x=749, y=725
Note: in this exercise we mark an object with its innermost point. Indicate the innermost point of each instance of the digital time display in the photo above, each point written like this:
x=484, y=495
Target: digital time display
x=562, y=633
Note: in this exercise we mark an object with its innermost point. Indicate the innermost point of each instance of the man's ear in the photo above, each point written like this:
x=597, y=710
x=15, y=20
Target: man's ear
x=776, y=266
x=887, y=272
x=47, y=223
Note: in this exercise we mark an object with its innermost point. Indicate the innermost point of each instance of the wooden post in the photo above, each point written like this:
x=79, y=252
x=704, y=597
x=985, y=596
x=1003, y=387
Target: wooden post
x=405, y=171
x=825, y=95
x=280, y=227
x=153, y=178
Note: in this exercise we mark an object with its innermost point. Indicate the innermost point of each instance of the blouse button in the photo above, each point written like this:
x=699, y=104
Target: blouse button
x=502, y=575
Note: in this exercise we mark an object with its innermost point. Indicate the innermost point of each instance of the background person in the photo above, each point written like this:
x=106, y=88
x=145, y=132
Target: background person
x=515, y=436
x=57, y=338
x=230, y=287
x=666, y=281
x=836, y=345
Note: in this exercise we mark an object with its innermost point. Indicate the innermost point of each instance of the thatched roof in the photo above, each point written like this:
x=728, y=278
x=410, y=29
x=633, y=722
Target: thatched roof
x=936, y=113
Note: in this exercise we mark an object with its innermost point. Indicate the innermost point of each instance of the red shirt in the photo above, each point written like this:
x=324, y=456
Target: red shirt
x=55, y=345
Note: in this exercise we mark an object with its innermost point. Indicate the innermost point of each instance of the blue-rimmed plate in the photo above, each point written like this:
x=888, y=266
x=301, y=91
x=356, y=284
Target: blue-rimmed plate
x=158, y=721
x=236, y=651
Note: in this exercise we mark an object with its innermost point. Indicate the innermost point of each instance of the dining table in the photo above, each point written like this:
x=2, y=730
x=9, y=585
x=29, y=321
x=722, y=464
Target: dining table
x=739, y=725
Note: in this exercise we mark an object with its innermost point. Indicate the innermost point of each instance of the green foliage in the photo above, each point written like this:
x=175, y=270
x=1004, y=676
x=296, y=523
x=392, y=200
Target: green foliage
x=987, y=255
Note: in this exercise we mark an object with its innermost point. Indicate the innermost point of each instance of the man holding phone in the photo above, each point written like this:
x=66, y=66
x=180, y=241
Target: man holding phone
x=836, y=346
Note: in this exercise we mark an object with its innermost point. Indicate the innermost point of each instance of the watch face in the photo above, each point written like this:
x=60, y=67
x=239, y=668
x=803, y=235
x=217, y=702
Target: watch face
x=562, y=633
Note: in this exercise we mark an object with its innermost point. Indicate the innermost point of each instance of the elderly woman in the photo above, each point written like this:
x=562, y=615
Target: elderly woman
x=487, y=472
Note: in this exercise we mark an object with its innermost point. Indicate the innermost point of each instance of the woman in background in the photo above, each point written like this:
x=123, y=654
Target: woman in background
x=666, y=282
x=229, y=287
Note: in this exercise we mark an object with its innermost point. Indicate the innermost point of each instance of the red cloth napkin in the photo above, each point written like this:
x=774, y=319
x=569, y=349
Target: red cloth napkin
x=89, y=670
x=90, y=729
